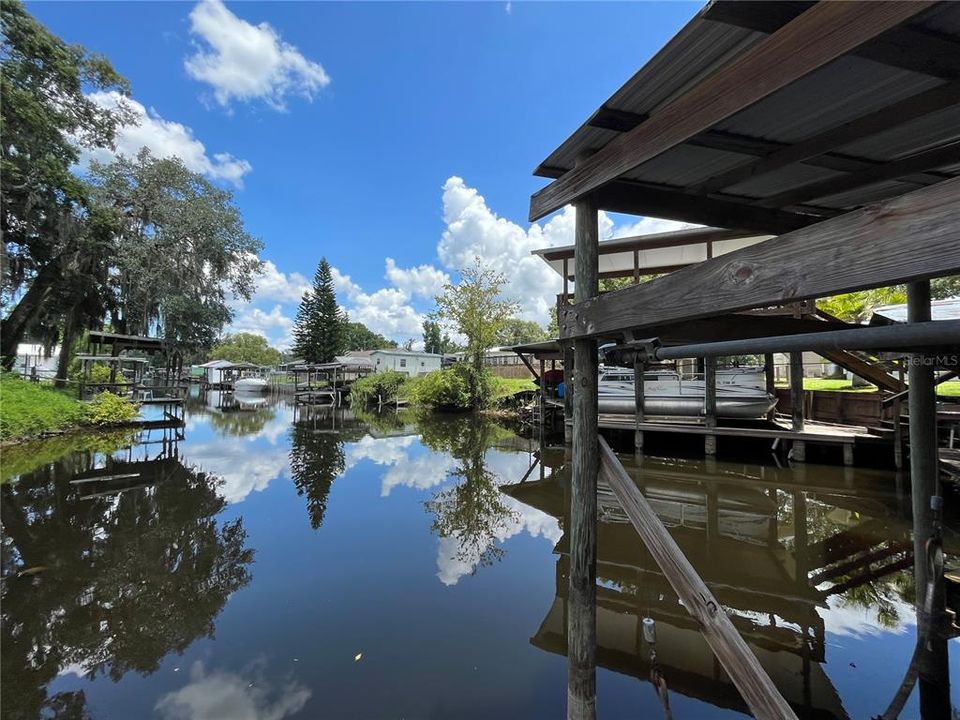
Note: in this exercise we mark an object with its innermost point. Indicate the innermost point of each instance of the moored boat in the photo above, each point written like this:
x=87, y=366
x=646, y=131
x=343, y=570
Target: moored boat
x=250, y=385
x=740, y=393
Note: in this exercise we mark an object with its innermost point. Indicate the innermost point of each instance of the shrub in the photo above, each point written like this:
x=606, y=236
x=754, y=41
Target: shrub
x=109, y=409
x=99, y=372
x=386, y=385
x=28, y=409
x=458, y=387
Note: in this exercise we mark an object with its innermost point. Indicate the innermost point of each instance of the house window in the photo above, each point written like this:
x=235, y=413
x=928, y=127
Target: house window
x=422, y=364
x=403, y=362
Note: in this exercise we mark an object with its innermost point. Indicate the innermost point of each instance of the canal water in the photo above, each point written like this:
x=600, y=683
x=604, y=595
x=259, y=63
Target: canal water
x=268, y=563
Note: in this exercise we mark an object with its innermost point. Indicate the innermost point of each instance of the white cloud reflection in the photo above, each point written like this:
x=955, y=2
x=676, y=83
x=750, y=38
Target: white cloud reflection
x=220, y=695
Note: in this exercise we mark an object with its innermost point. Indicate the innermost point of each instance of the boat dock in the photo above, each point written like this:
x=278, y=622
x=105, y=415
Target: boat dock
x=746, y=122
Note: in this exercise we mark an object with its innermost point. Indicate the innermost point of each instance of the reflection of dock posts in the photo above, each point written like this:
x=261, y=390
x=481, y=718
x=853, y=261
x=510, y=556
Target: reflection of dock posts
x=770, y=373
x=932, y=660
x=710, y=404
x=798, y=451
x=582, y=626
x=638, y=368
x=801, y=578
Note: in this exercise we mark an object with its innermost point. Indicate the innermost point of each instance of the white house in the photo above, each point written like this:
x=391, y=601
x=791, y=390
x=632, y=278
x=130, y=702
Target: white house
x=409, y=362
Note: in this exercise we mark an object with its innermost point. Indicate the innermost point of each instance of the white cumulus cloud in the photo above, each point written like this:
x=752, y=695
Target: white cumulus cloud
x=245, y=62
x=424, y=281
x=275, y=325
x=279, y=286
x=165, y=139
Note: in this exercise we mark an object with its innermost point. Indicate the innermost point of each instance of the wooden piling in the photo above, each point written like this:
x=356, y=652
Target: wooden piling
x=770, y=372
x=638, y=370
x=932, y=660
x=710, y=404
x=582, y=618
x=568, y=383
x=799, y=450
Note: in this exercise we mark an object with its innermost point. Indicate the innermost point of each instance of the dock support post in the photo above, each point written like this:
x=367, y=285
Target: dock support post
x=568, y=382
x=582, y=620
x=933, y=679
x=770, y=371
x=710, y=404
x=799, y=450
x=638, y=368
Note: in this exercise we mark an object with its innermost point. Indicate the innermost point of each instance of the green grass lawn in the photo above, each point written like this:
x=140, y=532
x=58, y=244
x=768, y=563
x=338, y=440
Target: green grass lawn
x=505, y=387
x=28, y=409
x=947, y=389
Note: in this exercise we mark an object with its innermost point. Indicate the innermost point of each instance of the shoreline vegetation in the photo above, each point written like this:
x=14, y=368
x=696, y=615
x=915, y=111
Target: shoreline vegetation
x=31, y=411
x=447, y=389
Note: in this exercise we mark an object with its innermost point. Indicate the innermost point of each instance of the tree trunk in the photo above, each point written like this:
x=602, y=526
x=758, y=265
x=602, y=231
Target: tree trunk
x=14, y=326
x=69, y=334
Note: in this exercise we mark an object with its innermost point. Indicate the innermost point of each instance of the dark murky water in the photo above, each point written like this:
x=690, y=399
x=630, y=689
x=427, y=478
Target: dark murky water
x=268, y=565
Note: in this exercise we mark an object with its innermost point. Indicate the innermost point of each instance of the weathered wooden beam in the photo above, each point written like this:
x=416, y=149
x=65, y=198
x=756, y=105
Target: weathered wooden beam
x=760, y=148
x=910, y=237
x=673, y=204
x=582, y=608
x=872, y=123
x=746, y=672
x=903, y=47
x=874, y=373
x=823, y=33
x=942, y=156
x=682, y=238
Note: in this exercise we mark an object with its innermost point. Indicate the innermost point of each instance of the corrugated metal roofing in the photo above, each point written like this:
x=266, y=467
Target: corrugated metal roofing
x=845, y=89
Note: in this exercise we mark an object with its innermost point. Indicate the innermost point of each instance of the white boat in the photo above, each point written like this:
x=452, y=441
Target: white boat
x=741, y=393
x=250, y=385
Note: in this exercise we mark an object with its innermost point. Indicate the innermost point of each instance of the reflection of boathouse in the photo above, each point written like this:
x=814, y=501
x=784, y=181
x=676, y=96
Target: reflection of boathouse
x=772, y=549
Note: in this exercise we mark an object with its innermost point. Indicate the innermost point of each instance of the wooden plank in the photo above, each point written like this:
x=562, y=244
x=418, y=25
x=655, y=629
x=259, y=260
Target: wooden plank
x=904, y=47
x=753, y=683
x=634, y=198
x=873, y=373
x=823, y=33
x=760, y=148
x=942, y=156
x=913, y=107
x=582, y=608
x=906, y=238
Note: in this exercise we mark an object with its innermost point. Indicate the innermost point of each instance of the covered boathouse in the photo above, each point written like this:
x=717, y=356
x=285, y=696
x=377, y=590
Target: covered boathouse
x=833, y=128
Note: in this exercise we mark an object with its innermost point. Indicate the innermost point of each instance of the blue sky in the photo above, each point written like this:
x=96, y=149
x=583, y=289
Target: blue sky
x=396, y=139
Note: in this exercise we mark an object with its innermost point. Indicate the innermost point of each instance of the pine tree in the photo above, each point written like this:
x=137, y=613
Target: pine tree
x=301, y=330
x=320, y=330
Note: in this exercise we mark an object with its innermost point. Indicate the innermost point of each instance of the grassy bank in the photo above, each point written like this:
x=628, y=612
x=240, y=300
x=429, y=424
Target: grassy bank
x=947, y=389
x=29, y=410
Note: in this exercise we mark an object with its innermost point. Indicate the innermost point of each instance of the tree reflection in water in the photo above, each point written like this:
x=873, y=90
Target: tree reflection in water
x=472, y=512
x=316, y=460
x=129, y=578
